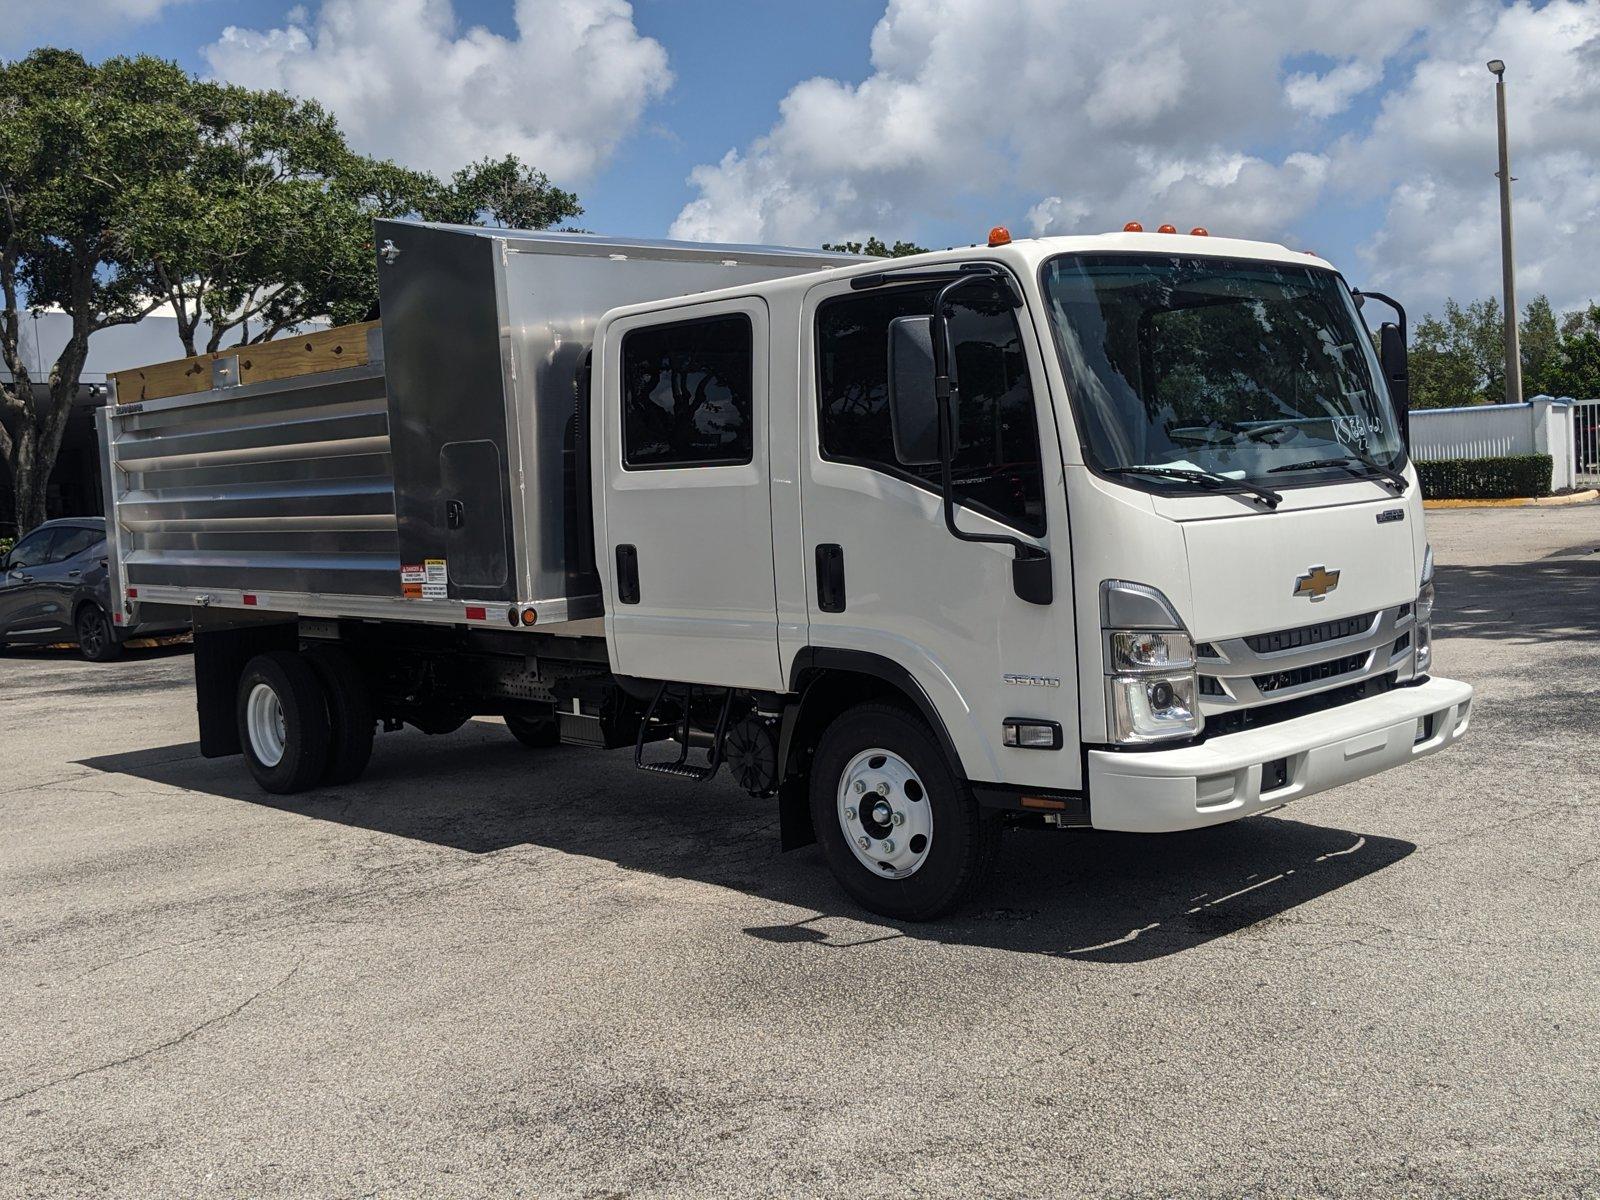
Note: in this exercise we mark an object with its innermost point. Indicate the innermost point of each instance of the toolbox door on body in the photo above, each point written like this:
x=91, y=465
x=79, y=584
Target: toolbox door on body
x=688, y=513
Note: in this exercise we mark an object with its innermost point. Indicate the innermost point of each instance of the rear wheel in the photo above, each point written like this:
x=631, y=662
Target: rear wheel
x=96, y=640
x=536, y=733
x=283, y=722
x=351, y=720
x=900, y=829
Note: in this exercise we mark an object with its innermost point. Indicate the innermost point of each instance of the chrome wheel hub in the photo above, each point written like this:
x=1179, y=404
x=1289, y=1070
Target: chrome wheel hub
x=268, y=730
x=885, y=814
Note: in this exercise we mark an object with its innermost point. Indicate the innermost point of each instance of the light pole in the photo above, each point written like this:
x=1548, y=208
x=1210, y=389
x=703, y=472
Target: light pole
x=1508, y=271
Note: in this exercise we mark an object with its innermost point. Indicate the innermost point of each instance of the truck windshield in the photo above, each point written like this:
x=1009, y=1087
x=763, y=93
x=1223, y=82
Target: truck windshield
x=1256, y=371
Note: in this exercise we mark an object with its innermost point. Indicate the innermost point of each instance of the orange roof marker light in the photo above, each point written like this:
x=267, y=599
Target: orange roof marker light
x=1199, y=231
x=999, y=236
x=1133, y=227
x=1168, y=229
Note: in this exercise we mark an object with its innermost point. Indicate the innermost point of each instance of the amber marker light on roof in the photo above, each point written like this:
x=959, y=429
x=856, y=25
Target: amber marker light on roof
x=1133, y=227
x=1168, y=229
x=999, y=236
x=1199, y=231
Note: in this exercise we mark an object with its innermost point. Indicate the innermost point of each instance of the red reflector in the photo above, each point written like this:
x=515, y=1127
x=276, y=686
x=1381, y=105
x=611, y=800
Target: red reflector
x=117, y=617
x=250, y=600
x=132, y=592
x=1041, y=802
x=477, y=614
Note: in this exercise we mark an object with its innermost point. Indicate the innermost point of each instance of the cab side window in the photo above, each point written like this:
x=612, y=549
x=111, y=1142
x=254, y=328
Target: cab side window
x=995, y=467
x=686, y=393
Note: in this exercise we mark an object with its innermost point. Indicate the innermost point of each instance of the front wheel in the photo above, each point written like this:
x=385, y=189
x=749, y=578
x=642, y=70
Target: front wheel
x=96, y=641
x=900, y=829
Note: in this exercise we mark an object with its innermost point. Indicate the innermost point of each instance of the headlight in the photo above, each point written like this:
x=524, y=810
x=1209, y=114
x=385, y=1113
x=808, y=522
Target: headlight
x=1424, y=634
x=1154, y=708
x=1151, y=687
x=1149, y=650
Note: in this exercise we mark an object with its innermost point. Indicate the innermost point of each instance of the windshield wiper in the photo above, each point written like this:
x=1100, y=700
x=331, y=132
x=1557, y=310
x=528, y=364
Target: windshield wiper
x=1363, y=468
x=1206, y=479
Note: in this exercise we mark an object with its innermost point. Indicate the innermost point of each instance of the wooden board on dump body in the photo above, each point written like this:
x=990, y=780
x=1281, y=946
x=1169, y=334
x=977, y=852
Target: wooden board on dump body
x=325, y=350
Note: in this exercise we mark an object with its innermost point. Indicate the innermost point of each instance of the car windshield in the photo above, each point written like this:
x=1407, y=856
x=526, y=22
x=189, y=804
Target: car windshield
x=1256, y=371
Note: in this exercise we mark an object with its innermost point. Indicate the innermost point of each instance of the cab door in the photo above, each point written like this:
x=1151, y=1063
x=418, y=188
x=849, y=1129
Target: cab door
x=885, y=576
x=26, y=589
x=687, y=545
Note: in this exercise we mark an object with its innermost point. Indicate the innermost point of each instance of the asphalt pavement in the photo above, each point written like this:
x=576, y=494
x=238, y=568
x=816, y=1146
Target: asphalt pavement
x=488, y=971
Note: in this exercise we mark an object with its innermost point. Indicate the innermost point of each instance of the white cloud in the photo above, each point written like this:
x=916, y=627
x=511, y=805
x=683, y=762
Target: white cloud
x=26, y=23
x=1431, y=149
x=1094, y=112
x=1330, y=93
x=407, y=82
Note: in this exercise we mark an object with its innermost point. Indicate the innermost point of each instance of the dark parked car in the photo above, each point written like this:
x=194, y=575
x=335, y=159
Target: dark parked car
x=54, y=588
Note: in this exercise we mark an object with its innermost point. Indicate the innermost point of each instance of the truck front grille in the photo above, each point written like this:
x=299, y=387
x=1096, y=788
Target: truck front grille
x=1269, y=670
x=1332, y=669
x=1310, y=635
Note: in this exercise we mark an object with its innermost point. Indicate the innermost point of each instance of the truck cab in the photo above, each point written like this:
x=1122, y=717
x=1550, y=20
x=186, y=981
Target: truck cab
x=1125, y=524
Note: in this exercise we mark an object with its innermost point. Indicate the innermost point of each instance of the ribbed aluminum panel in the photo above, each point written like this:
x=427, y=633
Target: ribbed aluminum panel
x=284, y=486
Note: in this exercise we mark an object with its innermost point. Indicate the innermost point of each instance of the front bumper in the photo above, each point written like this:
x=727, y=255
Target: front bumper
x=1162, y=791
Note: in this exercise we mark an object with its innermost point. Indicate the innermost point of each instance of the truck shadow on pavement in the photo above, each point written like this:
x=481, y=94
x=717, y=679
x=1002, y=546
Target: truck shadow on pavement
x=1099, y=897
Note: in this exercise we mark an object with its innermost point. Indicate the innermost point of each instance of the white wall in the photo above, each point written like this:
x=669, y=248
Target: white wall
x=1539, y=426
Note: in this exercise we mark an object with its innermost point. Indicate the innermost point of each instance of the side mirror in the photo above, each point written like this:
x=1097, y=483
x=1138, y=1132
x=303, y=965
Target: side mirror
x=1393, y=356
x=913, y=408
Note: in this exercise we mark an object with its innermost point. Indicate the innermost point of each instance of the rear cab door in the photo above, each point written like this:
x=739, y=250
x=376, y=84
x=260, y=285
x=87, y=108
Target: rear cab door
x=683, y=457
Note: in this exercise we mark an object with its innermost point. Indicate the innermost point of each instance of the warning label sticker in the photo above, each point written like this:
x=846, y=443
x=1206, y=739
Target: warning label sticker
x=412, y=577
x=434, y=578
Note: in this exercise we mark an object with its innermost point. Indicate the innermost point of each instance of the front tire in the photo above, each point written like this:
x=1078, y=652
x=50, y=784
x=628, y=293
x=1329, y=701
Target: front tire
x=283, y=722
x=97, y=642
x=535, y=733
x=901, y=831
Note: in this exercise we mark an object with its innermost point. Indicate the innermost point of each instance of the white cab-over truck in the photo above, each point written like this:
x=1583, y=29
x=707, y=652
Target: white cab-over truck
x=1114, y=532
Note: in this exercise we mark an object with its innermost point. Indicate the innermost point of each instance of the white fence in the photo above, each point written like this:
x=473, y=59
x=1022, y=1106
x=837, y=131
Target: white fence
x=1567, y=430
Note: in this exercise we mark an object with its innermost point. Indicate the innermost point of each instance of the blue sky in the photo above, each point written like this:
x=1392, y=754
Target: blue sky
x=1362, y=129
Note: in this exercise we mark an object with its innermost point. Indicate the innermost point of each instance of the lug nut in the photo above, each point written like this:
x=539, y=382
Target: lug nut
x=860, y=787
x=849, y=814
x=864, y=843
x=888, y=846
x=899, y=818
x=883, y=789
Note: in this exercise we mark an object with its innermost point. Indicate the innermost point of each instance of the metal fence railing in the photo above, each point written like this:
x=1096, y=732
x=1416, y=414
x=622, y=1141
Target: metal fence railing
x=1586, y=443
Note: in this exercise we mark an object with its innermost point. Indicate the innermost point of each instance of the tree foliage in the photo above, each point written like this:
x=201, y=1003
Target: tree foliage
x=1458, y=357
x=876, y=247
x=128, y=184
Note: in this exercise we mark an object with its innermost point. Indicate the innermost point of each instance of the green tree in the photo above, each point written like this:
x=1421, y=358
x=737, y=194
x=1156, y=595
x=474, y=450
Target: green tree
x=129, y=184
x=876, y=248
x=69, y=135
x=1577, y=369
x=1539, y=338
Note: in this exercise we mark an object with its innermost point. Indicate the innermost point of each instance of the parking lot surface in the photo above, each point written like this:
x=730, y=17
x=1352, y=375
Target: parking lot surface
x=487, y=971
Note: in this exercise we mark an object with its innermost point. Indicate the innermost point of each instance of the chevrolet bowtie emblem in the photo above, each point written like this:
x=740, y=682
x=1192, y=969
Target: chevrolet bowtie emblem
x=1316, y=583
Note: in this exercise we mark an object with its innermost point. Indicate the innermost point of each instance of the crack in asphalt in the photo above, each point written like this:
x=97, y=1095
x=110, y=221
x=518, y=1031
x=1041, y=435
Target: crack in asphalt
x=186, y=1035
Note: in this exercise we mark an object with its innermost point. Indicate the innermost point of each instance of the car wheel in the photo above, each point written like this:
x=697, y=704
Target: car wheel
x=97, y=642
x=350, y=717
x=283, y=722
x=901, y=830
x=536, y=733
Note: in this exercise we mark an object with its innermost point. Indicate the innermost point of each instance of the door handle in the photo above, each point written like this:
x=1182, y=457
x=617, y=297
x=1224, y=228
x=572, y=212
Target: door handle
x=830, y=577
x=73, y=574
x=628, y=574
x=455, y=514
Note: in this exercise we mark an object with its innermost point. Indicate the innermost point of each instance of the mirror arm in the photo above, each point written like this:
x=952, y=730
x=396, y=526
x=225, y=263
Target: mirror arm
x=1392, y=303
x=1030, y=582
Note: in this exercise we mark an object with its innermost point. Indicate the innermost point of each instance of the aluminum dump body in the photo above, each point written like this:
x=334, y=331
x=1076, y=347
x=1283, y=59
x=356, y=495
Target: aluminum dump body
x=428, y=468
